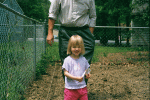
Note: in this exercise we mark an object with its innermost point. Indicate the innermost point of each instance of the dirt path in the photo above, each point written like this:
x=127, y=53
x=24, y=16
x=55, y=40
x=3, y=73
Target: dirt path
x=116, y=77
x=49, y=87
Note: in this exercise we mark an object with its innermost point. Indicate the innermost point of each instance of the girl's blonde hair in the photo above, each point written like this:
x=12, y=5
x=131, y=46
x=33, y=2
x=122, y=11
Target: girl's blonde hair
x=75, y=40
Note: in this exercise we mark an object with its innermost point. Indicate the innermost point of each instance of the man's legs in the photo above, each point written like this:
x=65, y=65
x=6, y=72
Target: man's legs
x=63, y=44
x=89, y=44
x=88, y=38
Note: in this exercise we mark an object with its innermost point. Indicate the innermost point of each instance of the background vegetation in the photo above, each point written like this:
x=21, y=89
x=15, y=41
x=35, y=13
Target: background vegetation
x=109, y=13
x=117, y=12
x=36, y=9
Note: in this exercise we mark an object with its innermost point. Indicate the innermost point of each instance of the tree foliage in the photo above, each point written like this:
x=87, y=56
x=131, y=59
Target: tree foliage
x=37, y=9
x=141, y=12
x=110, y=13
x=113, y=12
x=1, y=1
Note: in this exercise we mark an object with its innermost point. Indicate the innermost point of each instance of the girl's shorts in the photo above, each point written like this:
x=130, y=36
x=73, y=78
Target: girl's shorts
x=76, y=94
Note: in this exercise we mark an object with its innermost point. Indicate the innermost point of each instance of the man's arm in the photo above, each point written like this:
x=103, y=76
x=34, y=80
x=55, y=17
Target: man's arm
x=50, y=37
x=53, y=12
x=92, y=15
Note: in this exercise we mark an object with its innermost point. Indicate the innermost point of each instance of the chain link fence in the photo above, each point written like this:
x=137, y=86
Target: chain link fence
x=122, y=36
x=118, y=36
x=22, y=41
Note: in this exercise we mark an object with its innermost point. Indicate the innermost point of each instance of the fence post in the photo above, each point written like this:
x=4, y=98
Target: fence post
x=34, y=69
x=149, y=41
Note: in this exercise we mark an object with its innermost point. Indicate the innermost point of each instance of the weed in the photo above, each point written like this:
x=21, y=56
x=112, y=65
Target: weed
x=146, y=64
x=47, y=59
x=105, y=54
x=112, y=64
x=139, y=54
x=111, y=60
x=124, y=53
x=129, y=59
x=119, y=61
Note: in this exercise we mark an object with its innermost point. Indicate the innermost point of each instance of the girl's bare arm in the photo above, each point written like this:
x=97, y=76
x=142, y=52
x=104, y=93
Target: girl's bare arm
x=67, y=74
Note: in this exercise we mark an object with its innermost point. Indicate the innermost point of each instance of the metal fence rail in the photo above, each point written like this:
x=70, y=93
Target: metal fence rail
x=125, y=36
x=22, y=41
x=109, y=35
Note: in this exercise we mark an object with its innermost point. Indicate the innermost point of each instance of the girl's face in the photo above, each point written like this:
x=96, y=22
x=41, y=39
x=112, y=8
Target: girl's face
x=76, y=51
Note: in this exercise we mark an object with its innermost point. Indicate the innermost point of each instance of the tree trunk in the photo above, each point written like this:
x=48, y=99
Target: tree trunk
x=120, y=34
x=128, y=34
x=104, y=38
x=116, y=32
x=127, y=25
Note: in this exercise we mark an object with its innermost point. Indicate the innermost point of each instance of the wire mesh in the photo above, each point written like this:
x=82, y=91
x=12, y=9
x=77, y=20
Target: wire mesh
x=22, y=41
x=122, y=36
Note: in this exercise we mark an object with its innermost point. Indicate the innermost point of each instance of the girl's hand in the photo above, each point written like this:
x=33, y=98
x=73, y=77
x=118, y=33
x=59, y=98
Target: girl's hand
x=80, y=79
x=87, y=76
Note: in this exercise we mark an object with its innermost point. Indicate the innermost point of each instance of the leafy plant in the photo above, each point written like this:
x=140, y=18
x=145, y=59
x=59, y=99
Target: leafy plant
x=105, y=54
x=49, y=58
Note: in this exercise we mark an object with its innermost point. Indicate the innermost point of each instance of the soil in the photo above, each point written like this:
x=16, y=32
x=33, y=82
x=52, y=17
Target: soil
x=117, y=76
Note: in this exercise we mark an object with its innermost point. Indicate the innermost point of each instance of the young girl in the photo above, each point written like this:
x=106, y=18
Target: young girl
x=74, y=66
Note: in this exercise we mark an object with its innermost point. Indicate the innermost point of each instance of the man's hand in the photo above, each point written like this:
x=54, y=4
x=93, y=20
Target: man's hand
x=91, y=29
x=50, y=39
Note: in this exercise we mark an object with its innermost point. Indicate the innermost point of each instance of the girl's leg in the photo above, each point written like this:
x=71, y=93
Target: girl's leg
x=83, y=92
x=84, y=97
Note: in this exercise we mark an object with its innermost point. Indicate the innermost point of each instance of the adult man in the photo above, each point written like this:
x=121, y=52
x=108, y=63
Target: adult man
x=77, y=17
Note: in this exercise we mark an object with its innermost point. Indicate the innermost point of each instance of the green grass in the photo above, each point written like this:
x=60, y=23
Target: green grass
x=52, y=53
x=101, y=51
